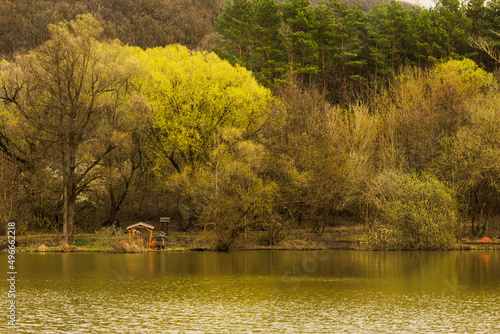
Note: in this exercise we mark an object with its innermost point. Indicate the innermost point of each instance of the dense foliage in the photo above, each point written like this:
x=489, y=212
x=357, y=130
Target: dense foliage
x=303, y=114
x=410, y=212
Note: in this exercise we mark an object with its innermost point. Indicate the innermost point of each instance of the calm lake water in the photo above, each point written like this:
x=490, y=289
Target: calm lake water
x=257, y=292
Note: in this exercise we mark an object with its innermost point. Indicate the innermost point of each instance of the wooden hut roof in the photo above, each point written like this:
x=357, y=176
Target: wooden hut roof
x=151, y=227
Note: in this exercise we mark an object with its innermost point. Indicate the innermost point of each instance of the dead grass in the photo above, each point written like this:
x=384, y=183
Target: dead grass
x=345, y=235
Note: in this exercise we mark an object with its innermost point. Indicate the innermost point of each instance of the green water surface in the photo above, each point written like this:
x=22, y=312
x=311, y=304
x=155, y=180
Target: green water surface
x=256, y=292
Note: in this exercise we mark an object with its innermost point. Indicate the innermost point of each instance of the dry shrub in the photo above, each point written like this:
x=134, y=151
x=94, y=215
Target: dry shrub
x=411, y=212
x=124, y=247
x=229, y=193
x=42, y=248
x=321, y=156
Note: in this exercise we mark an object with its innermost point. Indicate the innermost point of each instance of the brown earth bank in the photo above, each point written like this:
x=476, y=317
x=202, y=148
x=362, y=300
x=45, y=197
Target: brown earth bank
x=348, y=235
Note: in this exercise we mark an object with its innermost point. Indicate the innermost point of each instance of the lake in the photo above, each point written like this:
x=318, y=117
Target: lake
x=256, y=292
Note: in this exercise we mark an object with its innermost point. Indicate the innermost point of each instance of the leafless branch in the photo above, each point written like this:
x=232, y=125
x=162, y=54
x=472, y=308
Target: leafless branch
x=483, y=44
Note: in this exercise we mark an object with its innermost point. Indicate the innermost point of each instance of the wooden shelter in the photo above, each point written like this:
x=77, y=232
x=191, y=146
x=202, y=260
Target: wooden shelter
x=148, y=227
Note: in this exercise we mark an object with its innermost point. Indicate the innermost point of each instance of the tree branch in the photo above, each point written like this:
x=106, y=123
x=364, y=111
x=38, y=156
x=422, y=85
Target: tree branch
x=95, y=163
x=482, y=44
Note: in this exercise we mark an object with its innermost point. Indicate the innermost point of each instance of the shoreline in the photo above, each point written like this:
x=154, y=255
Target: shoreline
x=460, y=246
x=341, y=237
x=495, y=247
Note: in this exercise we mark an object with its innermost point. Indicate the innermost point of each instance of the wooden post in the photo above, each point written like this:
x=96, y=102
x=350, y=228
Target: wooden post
x=150, y=237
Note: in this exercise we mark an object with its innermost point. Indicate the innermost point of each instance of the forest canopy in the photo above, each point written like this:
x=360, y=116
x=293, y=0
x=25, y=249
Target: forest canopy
x=302, y=115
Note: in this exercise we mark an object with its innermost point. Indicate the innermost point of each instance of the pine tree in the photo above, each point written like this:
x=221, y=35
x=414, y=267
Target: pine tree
x=299, y=20
x=323, y=35
x=453, y=26
x=427, y=39
x=401, y=44
x=378, y=47
x=234, y=27
x=267, y=62
x=347, y=21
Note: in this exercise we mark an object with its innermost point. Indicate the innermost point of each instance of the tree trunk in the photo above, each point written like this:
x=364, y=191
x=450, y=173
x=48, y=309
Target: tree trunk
x=71, y=219
x=344, y=72
x=65, y=196
x=112, y=209
x=69, y=189
x=323, y=67
x=376, y=65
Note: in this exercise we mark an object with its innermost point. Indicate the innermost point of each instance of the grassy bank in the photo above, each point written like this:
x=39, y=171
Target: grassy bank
x=109, y=240
x=345, y=236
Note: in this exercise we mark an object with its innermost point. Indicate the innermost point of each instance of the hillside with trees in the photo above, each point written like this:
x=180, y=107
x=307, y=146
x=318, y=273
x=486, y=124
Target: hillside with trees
x=143, y=23
x=303, y=115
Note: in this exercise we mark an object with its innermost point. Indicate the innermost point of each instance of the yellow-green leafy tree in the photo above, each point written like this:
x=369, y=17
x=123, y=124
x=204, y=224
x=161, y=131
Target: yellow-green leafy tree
x=71, y=98
x=195, y=97
x=194, y=94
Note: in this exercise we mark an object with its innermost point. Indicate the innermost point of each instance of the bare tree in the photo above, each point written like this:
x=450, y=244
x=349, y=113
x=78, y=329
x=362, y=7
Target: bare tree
x=484, y=45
